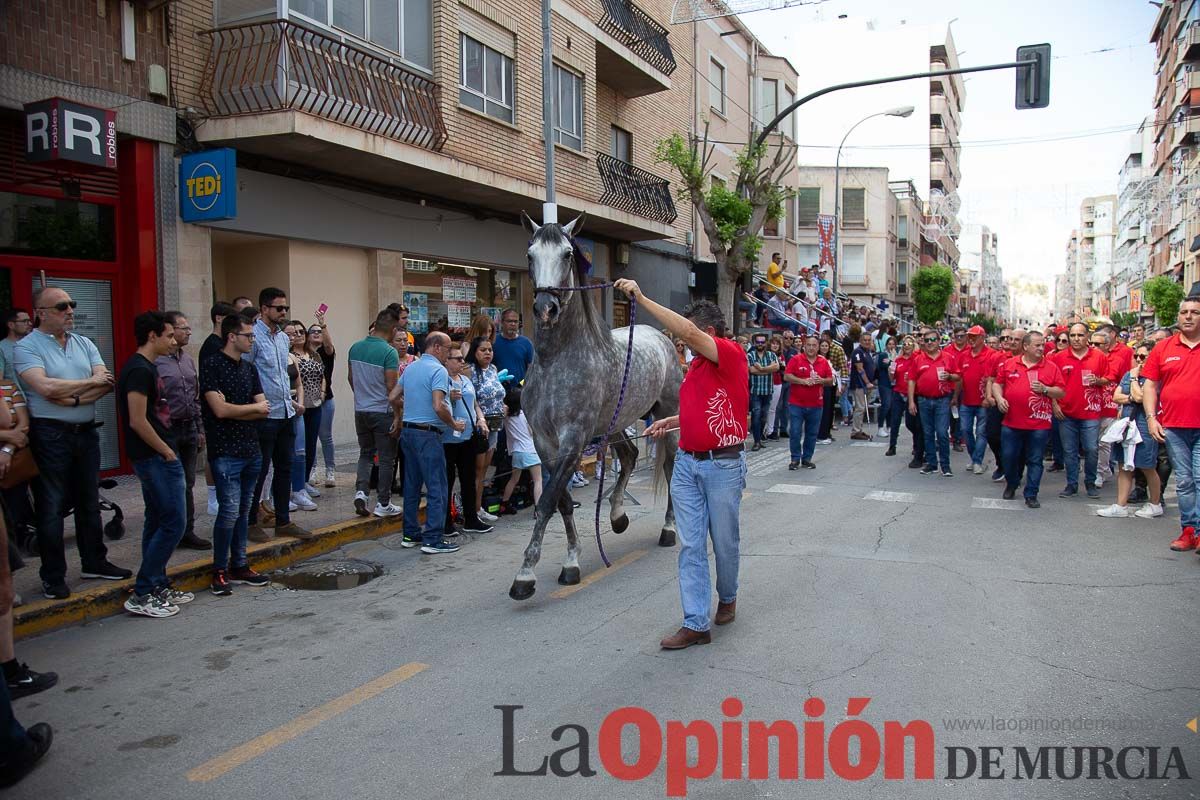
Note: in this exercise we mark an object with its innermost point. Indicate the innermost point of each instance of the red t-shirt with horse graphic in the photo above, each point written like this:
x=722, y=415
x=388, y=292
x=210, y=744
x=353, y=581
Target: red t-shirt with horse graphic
x=714, y=400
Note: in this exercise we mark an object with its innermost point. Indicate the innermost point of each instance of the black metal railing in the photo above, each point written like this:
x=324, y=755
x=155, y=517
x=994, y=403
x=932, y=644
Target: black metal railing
x=638, y=31
x=634, y=190
x=280, y=65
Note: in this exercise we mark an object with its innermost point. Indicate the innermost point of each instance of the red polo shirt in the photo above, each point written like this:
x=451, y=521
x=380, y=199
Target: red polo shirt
x=1175, y=367
x=975, y=369
x=900, y=379
x=924, y=370
x=714, y=400
x=1120, y=358
x=801, y=367
x=1082, y=402
x=955, y=353
x=1028, y=410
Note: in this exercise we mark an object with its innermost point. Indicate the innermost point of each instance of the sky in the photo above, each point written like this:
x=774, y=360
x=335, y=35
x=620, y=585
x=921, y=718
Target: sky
x=1028, y=193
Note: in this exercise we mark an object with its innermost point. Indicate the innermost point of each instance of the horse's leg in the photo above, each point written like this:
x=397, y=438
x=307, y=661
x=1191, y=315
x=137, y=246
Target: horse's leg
x=670, y=442
x=570, y=568
x=625, y=450
x=569, y=448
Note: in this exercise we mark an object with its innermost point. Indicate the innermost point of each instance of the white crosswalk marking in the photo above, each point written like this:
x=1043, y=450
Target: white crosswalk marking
x=891, y=497
x=792, y=488
x=868, y=444
x=998, y=504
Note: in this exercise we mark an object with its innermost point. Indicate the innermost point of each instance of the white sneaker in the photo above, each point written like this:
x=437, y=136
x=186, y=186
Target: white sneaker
x=150, y=606
x=485, y=516
x=977, y=469
x=311, y=490
x=824, y=441
x=1149, y=511
x=303, y=501
x=330, y=478
x=1114, y=511
x=390, y=510
x=1099, y=481
x=578, y=480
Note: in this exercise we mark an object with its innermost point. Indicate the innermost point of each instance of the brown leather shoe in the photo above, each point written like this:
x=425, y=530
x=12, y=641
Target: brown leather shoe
x=726, y=613
x=293, y=530
x=685, y=637
x=256, y=534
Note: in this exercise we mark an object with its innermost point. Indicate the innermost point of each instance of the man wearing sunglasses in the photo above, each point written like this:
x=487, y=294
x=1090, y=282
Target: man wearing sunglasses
x=931, y=380
x=1078, y=413
x=1025, y=390
x=276, y=433
x=64, y=375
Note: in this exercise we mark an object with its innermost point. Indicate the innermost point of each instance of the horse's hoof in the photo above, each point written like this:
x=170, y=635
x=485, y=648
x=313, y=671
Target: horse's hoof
x=666, y=538
x=569, y=576
x=522, y=590
x=620, y=523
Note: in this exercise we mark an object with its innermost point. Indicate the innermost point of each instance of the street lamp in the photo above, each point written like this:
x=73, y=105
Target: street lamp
x=901, y=111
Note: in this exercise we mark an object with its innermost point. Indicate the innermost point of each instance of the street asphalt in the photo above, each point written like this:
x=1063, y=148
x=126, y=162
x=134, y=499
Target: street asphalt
x=858, y=579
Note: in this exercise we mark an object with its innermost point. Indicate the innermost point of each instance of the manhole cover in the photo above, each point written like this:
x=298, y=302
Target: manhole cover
x=325, y=575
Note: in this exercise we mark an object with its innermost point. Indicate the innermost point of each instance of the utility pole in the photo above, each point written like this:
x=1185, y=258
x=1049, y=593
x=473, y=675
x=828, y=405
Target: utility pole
x=550, y=207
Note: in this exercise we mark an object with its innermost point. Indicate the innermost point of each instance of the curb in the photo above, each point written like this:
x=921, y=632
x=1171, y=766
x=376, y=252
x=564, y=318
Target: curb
x=93, y=603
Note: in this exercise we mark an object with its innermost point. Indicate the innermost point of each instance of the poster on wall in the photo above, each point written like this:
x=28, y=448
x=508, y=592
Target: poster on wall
x=418, y=311
x=437, y=312
x=458, y=314
x=503, y=285
x=461, y=290
x=493, y=312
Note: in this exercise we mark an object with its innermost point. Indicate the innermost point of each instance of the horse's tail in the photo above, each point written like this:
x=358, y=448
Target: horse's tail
x=671, y=441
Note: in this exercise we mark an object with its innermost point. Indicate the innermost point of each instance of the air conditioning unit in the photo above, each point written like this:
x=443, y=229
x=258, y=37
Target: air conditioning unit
x=622, y=256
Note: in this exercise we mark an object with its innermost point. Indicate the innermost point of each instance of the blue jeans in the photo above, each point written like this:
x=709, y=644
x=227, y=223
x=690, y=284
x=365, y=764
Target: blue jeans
x=935, y=421
x=1080, y=435
x=235, y=478
x=781, y=411
x=424, y=465
x=1183, y=447
x=1021, y=448
x=277, y=443
x=806, y=419
x=1056, y=445
x=708, y=497
x=973, y=422
x=759, y=406
x=162, y=493
x=69, y=473
x=886, y=398
x=326, y=431
x=299, y=476
x=847, y=405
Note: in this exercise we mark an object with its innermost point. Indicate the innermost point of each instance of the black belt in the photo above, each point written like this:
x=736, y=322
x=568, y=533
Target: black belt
x=732, y=451
x=73, y=427
x=418, y=426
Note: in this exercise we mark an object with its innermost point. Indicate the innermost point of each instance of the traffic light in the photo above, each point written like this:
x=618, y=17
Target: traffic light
x=1033, y=82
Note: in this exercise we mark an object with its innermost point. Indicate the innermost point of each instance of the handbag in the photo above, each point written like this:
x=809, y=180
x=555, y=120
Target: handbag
x=479, y=442
x=22, y=469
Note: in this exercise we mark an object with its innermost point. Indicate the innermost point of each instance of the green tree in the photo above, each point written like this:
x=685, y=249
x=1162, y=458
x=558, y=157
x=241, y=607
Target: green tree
x=931, y=290
x=1163, y=294
x=732, y=216
x=984, y=321
x=1123, y=319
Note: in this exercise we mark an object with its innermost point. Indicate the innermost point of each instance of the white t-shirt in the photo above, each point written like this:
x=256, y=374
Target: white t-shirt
x=519, y=438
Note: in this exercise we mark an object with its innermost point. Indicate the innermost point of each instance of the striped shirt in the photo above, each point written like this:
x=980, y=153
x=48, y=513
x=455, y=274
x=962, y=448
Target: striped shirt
x=761, y=384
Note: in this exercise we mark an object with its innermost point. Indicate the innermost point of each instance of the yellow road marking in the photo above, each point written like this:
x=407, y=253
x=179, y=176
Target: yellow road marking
x=624, y=560
x=301, y=724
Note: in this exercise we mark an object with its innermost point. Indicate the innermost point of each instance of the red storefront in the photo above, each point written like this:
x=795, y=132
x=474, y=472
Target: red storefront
x=91, y=230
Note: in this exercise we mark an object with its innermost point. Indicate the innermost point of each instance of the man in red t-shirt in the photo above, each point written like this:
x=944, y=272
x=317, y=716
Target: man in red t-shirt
x=975, y=364
x=1025, y=390
x=1120, y=359
x=808, y=374
x=710, y=470
x=1169, y=396
x=931, y=378
x=1084, y=368
x=900, y=367
x=959, y=346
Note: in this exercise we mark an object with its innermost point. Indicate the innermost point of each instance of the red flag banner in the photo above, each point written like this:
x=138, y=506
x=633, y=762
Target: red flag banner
x=825, y=223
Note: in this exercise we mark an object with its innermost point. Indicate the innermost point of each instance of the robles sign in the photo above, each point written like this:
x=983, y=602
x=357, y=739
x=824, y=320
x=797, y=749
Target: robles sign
x=59, y=130
x=208, y=185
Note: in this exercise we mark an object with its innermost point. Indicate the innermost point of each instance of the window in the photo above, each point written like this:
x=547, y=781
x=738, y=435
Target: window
x=902, y=278
x=622, y=145
x=809, y=255
x=854, y=263
x=902, y=232
x=768, y=100
x=789, y=124
x=716, y=89
x=854, y=208
x=41, y=226
x=400, y=26
x=486, y=80
x=808, y=205
x=568, y=108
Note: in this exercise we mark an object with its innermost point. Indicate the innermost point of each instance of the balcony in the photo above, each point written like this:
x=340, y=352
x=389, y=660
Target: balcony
x=1189, y=47
x=941, y=138
x=942, y=172
x=635, y=190
x=940, y=105
x=278, y=65
x=633, y=51
x=1185, y=131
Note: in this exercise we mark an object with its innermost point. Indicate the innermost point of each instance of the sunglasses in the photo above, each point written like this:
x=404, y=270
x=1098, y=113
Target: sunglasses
x=1062, y=340
x=63, y=306
x=315, y=332
x=282, y=309
x=930, y=339
x=1140, y=357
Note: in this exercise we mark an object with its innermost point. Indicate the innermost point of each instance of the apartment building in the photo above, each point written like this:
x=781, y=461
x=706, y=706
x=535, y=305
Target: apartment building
x=981, y=280
x=1096, y=247
x=1135, y=192
x=1175, y=166
x=867, y=231
x=1068, y=300
x=947, y=98
x=910, y=216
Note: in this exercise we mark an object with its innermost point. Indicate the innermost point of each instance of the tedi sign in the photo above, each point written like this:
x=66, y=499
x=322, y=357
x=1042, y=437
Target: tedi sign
x=59, y=130
x=208, y=185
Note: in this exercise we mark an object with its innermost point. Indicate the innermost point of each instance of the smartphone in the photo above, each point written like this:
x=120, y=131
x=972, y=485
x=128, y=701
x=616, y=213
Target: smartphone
x=321, y=309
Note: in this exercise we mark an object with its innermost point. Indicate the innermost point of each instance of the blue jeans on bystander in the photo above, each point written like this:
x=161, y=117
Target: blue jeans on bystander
x=1183, y=447
x=805, y=420
x=162, y=493
x=973, y=421
x=235, y=479
x=424, y=465
x=759, y=406
x=935, y=422
x=1080, y=435
x=1026, y=449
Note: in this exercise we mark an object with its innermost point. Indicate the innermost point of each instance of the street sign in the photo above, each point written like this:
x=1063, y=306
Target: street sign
x=1033, y=82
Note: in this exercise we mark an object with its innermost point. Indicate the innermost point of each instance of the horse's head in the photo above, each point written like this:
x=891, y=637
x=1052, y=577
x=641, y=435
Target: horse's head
x=555, y=262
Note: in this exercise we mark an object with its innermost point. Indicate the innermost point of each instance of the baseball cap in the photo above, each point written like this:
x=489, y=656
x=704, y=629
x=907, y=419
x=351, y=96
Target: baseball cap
x=976, y=330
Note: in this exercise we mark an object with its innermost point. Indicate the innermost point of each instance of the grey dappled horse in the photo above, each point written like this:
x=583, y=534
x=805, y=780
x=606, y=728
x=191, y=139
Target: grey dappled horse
x=572, y=388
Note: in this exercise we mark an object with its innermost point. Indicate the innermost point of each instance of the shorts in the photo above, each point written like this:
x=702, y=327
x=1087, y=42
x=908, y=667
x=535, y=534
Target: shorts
x=525, y=460
x=1145, y=457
